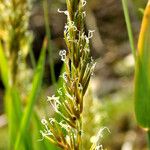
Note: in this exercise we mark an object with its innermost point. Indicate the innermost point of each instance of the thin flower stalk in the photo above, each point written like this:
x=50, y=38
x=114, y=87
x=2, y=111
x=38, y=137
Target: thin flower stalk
x=79, y=66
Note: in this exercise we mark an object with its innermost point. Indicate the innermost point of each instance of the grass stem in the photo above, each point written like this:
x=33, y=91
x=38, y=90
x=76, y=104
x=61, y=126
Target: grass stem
x=80, y=133
x=48, y=34
x=129, y=28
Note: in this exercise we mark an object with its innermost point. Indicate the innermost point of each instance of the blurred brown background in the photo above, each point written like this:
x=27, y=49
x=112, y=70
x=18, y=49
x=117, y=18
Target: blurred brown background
x=112, y=82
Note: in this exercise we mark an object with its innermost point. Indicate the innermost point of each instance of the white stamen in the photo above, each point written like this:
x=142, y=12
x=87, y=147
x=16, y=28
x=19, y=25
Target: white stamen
x=53, y=97
x=84, y=14
x=59, y=91
x=99, y=147
x=51, y=120
x=54, y=101
x=61, y=11
x=92, y=68
x=46, y=131
x=90, y=34
x=64, y=76
x=65, y=126
x=62, y=53
x=69, y=96
x=71, y=25
x=44, y=122
x=87, y=39
x=87, y=50
x=92, y=60
x=80, y=86
x=83, y=3
x=67, y=138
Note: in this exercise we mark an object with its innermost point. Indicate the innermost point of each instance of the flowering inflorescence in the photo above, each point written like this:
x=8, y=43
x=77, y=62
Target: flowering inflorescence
x=79, y=67
x=14, y=34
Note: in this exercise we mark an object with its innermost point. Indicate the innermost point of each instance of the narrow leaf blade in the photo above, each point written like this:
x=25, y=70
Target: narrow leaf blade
x=142, y=73
x=3, y=67
x=37, y=80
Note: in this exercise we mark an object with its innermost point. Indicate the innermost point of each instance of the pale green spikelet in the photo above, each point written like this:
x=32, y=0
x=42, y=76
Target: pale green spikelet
x=79, y=66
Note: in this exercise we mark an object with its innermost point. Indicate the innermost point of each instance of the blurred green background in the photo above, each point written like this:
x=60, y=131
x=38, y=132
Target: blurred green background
x=111, y=88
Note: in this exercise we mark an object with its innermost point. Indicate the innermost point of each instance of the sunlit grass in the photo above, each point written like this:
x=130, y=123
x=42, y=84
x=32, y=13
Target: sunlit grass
x=142, y=64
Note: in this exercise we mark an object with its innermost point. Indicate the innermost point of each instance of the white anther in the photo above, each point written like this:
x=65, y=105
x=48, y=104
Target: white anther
x=53, y=97
x=65, y=126
x=83, y=3
x=44, y=122
x=62, y=53
x=99, y=147
x=64, y=76
x=45, y=133
x=51, y=120
x=92, y=69
x=54, y=101
x=61, y=11
x=84, y=14
x=80, y=86
x=67, y=138
x=71, y=25
x=87, y=39
x=90, y=34
x=69, y=96
x=46, y=130
x=86, y=50
x=59, y=91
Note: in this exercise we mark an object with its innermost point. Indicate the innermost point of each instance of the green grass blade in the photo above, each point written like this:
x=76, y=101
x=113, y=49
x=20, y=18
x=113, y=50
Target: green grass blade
x=14, y=111
x=129, y=28
x=17, y=111
x=3, y=67
x=12, y=100
x=37, y=80
x=13, y=114
x=48, y=34
x=142, y=73
x=10, y=117
x=16, y=103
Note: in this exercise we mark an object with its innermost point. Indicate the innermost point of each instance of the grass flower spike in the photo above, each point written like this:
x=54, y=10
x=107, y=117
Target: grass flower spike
x=14, y=32
x=66, y=132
